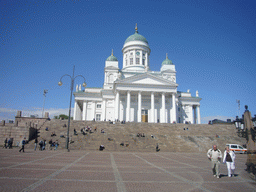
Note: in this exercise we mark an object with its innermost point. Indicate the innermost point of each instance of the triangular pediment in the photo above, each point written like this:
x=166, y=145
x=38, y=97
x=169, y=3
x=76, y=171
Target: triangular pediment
x=146, y=79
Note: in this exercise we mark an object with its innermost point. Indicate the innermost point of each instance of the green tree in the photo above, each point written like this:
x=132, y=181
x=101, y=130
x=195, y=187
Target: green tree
x=62, y=116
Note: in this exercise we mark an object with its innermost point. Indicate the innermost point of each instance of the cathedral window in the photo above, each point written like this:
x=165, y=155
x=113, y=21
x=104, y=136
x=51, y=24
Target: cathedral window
x=98, y=117
x=143, y=61
x=131, y=61
x=111, y=78
x=137, y=60
x=98, y=106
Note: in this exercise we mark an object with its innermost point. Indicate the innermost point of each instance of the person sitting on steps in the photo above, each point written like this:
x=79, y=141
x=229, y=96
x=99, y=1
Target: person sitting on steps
x=102, y=147
x=75, y=132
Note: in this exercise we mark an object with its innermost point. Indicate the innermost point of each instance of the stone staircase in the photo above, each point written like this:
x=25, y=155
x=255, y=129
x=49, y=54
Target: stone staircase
x=170, y=137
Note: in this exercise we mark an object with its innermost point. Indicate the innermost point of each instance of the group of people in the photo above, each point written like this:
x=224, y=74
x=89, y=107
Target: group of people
x=85, y=130
x=140, y=135
x=215, y=157
x=8, y=143
x=43, y=144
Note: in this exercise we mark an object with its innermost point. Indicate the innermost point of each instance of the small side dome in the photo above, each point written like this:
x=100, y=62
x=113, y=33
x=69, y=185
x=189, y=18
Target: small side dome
x=167, y=61
x=136, y=37
x=112, y=57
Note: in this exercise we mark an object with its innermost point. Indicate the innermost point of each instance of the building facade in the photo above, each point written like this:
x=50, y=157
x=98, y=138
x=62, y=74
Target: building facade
x=135, y=93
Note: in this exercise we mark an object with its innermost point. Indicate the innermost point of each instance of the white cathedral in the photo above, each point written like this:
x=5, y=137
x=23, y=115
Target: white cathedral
x=135, y=93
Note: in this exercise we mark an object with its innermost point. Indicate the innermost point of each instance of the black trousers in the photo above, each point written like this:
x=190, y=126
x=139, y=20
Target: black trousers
x=22, y=148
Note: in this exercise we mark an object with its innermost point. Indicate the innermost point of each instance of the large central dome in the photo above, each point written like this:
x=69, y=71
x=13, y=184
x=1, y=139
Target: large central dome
x=136, y=37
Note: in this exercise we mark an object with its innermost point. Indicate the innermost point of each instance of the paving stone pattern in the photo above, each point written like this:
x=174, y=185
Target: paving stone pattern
x=116, y=172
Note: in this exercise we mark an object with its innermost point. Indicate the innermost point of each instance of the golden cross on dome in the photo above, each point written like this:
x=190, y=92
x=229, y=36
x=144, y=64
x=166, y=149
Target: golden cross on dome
x=136, y=28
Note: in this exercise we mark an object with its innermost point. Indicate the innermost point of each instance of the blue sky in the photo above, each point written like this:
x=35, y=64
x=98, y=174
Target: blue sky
x=211, y=43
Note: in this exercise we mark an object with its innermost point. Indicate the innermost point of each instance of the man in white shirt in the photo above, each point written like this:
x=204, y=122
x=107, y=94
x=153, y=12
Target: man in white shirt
x=215, y=156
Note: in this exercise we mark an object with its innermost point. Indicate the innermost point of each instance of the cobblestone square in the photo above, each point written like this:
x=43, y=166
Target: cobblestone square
x=116, y=171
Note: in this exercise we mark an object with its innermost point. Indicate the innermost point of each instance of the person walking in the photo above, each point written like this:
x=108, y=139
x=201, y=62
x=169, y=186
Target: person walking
x=50, y=145
x=5, y=143
x=229, y=158
x=215, y=156
x=36, y=141
x=56, y=145
x=41, y=145
x=23, y=145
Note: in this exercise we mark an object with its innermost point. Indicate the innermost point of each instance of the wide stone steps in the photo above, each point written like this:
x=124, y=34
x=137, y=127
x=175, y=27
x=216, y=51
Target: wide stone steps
x=170, y=137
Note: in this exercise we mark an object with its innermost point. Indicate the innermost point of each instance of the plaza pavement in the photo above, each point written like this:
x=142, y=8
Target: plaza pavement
x=116, y=171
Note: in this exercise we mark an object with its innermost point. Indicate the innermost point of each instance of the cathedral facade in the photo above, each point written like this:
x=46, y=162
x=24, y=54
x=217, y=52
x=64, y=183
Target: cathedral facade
x=135, y=93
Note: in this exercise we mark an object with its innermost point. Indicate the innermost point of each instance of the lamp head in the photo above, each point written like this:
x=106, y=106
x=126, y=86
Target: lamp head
x=60, y=83
x=84, y=84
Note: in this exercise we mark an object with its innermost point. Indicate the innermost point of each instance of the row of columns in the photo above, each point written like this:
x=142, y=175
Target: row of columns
x=153, y=118
x=193, y=114
x=78, y=114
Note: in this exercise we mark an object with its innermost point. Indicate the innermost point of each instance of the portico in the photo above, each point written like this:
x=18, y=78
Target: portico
x=139, y=104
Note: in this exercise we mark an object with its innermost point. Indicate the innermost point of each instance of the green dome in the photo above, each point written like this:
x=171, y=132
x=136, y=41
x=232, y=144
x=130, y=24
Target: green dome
x=136, y=37
x=167, y=61
x=112, y=57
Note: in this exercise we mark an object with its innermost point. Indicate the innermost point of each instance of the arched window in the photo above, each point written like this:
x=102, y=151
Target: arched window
x=111, y=78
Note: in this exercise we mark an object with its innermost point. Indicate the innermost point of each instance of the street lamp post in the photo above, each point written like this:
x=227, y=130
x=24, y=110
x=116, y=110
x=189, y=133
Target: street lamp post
x=71, y=92
x=45, y=91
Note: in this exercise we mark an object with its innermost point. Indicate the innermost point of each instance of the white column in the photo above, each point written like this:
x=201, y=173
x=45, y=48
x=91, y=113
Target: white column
x=124, y=60
x=134, y=58
x=152, y=107
x=128, y=106
x=139, y=106
x=146, y=60
x=198, y=115
x=141, y=57
x=173, y=109
x=75, y=110
x=183, y=118
x=117, y=106
x=191, y=114
x=103, y=110
x=194, y=114
x=174, y=116
x=93, y=110
x=163, y=108
x=84, y=110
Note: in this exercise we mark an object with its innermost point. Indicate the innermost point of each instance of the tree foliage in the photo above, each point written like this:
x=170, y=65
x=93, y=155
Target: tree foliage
x=62, y=116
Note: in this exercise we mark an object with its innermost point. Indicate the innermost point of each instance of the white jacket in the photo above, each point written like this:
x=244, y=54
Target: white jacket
x=232, y=155
x=214, y=155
